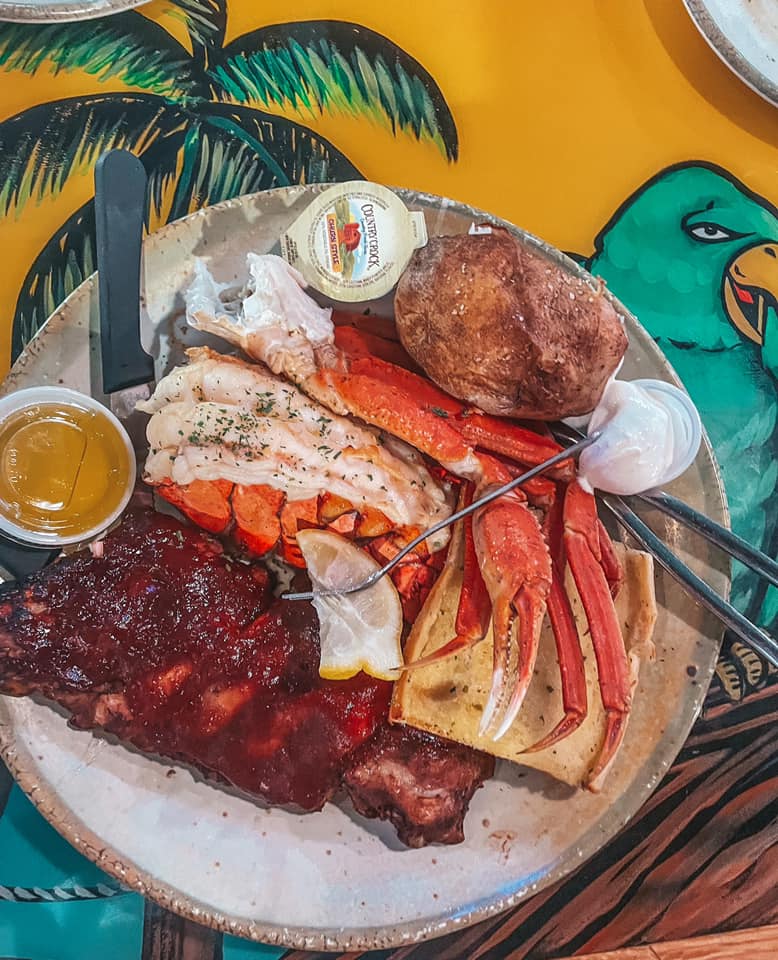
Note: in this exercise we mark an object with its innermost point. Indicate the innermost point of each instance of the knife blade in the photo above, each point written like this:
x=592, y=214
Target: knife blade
x=120, y=208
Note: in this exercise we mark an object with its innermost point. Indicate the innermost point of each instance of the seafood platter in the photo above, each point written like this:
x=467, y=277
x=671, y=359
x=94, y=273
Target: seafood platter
x=337, y=370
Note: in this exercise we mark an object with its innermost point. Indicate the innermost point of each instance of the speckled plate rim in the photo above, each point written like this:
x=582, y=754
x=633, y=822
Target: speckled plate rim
x=66, y=11
x=729, y=54
x=342, y=939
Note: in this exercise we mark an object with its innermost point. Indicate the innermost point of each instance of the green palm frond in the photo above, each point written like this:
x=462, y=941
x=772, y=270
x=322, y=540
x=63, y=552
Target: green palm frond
x=66, y=260
x=324, y=66
x=233, y=151
x=161, y=163
x=125, y=47
x=42, y=146
x=206, y=22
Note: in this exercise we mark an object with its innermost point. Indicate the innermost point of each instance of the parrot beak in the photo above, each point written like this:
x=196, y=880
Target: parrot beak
x=751, y=288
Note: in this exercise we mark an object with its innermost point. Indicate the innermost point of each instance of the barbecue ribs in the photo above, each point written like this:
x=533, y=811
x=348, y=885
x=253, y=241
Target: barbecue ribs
x=175, y=648
x=419, y=782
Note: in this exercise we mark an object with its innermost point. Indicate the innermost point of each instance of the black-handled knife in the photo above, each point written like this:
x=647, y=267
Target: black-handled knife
x=120, y=206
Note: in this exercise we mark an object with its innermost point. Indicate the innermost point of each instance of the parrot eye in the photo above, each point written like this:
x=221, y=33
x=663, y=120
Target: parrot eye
x=711, y=232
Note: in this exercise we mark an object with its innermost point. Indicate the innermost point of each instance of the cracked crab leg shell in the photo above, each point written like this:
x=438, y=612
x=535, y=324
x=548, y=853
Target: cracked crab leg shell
x=581, y=541
x=572, y=668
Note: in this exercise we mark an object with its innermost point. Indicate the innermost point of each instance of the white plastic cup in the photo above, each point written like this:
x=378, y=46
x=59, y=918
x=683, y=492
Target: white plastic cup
x=14, y=403
x=687, y=426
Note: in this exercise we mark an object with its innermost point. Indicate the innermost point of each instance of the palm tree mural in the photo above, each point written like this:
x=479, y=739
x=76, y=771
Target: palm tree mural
x=200, y=121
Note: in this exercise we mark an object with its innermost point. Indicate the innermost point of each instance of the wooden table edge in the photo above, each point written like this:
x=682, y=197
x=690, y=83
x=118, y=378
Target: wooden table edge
x=758, y=943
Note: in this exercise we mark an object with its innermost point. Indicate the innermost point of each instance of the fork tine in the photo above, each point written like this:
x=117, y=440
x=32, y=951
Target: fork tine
x=760, y=641
x=728, y=541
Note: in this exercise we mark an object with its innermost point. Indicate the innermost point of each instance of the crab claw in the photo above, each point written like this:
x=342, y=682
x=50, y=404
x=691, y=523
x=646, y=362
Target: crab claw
x=516, y=567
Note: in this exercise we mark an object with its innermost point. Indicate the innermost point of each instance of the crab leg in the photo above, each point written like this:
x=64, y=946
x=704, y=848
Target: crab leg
x=511, y=440
x=361, y=343
x=609, y=561
x=571, y=666
x=582, y=546
x=516, y=567
x=474, y=610
x=568, y=649
x=367, y=372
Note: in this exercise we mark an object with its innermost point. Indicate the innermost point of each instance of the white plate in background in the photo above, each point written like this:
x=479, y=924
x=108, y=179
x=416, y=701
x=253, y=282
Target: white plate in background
x=744, y=33
x=46, y=11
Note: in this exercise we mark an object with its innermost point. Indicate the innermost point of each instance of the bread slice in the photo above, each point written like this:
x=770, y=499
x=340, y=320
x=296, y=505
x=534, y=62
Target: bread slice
x=448, y=697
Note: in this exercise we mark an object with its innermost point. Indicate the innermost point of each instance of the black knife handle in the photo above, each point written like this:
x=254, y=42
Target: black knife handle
x=120, y=206
x=20, y=560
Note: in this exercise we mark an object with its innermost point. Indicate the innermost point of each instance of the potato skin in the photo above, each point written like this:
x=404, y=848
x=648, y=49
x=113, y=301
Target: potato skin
x=498, y=325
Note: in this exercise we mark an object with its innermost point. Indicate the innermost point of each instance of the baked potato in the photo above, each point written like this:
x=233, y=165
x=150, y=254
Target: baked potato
x=500, y=326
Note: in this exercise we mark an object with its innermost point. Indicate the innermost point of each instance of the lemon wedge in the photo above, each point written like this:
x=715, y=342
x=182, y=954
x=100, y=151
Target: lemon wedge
x=358, y=631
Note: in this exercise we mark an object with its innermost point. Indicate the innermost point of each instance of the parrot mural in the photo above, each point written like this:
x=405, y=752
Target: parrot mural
x=694, y=254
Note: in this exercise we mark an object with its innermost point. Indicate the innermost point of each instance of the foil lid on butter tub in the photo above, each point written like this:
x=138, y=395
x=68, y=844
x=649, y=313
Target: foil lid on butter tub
x=353, y=242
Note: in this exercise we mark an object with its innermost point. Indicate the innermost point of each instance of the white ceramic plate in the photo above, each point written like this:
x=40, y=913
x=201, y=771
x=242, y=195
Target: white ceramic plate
x=332, y=880
x=744, y=33
x=46, y=11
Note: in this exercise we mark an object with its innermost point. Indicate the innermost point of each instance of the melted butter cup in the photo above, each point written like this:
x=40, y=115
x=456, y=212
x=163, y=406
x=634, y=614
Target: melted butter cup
x=67, y=467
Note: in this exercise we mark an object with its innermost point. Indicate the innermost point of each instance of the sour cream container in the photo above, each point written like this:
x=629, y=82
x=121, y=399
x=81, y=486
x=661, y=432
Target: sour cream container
x=67, y=467
x=650, y=433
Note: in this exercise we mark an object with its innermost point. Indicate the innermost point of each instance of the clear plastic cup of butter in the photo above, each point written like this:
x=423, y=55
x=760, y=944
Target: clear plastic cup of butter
x=67, y=467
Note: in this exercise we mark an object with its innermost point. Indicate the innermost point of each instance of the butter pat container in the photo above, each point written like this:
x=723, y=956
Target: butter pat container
x=354, y=241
